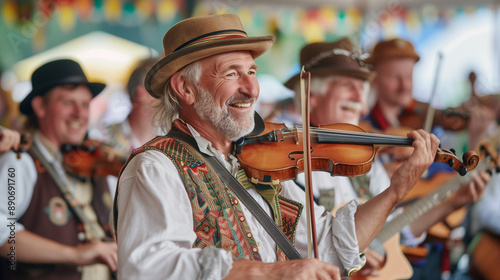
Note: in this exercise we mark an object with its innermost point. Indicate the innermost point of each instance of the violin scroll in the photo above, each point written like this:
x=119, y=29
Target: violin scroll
x=470, y=160
x=24, y=144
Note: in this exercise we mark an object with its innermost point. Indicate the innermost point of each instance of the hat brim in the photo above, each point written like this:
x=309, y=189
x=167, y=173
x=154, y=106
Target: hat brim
x=328, y=71
x=25, y=105
x=394, y=55
x=158, y=75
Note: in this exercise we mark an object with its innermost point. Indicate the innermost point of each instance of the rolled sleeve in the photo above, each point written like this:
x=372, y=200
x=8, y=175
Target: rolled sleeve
x=18, y=177
x=344, y=238
x=337, y=240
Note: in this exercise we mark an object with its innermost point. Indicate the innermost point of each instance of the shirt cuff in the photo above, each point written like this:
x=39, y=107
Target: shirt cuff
x=345, y=240
x=215, y=263
x=411, y=240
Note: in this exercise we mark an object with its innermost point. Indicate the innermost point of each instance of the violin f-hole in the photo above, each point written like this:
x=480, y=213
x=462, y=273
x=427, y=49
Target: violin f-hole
x=290, y=155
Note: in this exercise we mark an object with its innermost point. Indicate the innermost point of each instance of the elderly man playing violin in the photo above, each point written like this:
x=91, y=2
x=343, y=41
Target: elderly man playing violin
x=339, y=85
x=177, y=213
x=59, y=222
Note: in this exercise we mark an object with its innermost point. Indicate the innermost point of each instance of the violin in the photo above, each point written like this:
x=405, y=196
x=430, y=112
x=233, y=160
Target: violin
x=92, y=158
x=454, y=119
x=24, y=144
x=340, y=149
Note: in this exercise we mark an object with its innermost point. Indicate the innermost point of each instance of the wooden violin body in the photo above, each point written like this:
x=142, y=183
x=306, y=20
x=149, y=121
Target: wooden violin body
x=92, y=158
x=284, y=159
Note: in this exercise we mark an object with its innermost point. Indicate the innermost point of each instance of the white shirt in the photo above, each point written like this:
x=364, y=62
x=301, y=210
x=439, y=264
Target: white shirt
x=26, y=176
x=18, y=176
x=486, y=211
x=344, y=192
x=155, y=225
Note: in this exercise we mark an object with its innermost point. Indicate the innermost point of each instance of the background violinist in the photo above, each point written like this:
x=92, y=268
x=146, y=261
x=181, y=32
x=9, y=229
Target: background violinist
x=393, y=61
x=52, y=240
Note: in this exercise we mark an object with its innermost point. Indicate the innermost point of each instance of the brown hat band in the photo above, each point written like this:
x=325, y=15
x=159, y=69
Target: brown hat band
x=214, y=36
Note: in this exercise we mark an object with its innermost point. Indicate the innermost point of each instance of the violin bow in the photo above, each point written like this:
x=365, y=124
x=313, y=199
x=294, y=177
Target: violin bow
x=429, y=118
x=311, y=221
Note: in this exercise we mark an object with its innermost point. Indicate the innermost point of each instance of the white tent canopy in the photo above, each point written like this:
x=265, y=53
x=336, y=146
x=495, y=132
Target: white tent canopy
x=104, y=57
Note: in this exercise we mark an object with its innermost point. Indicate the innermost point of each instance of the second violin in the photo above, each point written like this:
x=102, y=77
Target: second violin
x=92, y=158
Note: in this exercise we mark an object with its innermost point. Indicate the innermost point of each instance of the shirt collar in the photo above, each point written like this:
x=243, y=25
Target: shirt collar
x=206, y=147
x=48, y=150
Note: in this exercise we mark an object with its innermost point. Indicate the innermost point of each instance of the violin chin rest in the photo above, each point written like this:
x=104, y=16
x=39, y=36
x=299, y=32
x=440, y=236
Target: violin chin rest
x=259, y=125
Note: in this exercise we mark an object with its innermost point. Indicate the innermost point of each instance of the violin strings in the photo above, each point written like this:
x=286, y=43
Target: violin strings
x=350, y=135
x=355, y=135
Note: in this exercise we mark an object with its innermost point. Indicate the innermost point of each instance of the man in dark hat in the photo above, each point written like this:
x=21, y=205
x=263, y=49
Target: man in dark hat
x=177, y=213
x=61, y=222
x=339, y=86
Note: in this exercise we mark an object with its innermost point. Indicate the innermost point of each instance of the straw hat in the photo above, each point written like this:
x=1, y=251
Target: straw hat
x=333, y=58
x=200, y=37
x=56, y=73
x=394, y=48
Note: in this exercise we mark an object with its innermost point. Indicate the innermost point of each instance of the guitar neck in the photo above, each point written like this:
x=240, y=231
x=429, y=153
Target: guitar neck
x=426, y=203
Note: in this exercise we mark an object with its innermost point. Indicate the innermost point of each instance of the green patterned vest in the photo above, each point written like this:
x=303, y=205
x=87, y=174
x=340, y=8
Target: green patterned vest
x=218, y=218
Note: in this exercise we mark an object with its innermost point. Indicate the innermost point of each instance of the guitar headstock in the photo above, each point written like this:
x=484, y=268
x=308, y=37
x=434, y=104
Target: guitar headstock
x=486, y=150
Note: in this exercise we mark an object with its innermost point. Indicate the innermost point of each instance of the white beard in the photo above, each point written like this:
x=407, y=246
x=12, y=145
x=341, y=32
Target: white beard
x=233, y=127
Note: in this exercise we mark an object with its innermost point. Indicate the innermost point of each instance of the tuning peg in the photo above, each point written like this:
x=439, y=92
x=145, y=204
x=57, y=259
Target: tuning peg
x=451, y=162
x=462, y=170
x=453, y=151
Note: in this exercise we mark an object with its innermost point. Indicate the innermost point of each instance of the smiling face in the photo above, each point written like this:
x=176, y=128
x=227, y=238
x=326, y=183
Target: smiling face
x=63, y=114
x=394, y=81
x=343, y=102
x=227, y=92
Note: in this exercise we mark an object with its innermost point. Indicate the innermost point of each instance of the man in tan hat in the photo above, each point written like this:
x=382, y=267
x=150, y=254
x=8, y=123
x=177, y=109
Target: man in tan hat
x=393, y=60
x=176, y=213
x=47, y=238
x=339, y=83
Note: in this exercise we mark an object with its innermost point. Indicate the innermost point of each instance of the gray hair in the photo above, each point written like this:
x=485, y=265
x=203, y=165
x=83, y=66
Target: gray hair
x=168, y=106
x=319, y=86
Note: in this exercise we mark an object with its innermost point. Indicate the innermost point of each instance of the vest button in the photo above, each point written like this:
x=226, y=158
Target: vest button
x=81, y=236
x=249, y=235
x=242, y=219
x=235, y=202
x=255, y=250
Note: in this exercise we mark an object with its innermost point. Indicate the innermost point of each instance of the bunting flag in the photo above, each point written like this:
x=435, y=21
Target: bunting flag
x=66, y=17
x=165, y=11
x=112, y=10
x=9, y=13
x=85, y=9
x=302, y=24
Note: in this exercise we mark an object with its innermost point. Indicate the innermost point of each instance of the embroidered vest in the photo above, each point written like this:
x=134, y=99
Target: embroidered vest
x=49, y=216
x=218, y=218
